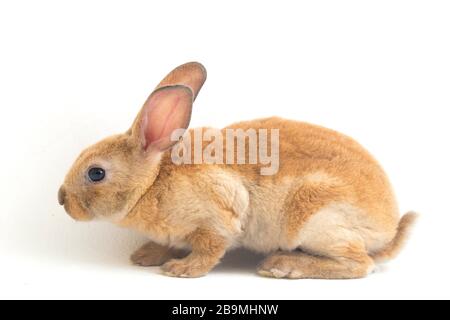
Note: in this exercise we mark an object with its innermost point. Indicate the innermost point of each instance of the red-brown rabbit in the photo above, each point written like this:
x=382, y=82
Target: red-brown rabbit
x=329, y=211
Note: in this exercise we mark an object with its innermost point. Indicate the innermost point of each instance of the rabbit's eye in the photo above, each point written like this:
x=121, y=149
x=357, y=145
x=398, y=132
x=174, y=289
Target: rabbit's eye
x=96, y=174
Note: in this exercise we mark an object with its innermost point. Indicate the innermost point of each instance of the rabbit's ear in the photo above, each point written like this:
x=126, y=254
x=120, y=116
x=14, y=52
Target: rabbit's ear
x=166, y=110
x=191, y=74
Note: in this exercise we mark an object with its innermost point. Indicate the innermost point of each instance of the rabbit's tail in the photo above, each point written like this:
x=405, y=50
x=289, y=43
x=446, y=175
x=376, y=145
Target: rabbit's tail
x=394, y=247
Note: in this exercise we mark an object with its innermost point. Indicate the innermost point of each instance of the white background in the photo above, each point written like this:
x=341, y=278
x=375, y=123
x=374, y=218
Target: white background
x=74, y=72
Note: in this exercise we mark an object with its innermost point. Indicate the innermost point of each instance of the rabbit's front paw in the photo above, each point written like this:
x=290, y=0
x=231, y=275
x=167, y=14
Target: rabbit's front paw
x=280, y=266
x=145, y=258
x=152, y=254
x=185, y=268
x=207, y=250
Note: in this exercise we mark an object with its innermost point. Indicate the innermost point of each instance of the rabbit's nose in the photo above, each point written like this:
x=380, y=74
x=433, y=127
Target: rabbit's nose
x=61, y=195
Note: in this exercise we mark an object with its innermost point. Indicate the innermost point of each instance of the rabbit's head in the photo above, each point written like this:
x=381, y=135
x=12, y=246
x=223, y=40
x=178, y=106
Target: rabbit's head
x=109, y=178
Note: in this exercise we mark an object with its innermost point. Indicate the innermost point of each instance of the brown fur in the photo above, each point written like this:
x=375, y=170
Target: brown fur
x=329, y=212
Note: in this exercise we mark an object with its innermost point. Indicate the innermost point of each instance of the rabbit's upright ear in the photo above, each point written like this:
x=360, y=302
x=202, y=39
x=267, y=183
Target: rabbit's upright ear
x=166, y=110
x=191, y=74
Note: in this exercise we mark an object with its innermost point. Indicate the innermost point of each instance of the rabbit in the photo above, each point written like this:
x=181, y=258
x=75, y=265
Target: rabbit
x=328, y=213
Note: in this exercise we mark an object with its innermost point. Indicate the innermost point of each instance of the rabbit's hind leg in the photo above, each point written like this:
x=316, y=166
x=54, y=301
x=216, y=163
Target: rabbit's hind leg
x=349, y=264
x=329, y=246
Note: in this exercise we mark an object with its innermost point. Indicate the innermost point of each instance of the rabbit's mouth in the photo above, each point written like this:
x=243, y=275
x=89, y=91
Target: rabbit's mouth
x=72, y=207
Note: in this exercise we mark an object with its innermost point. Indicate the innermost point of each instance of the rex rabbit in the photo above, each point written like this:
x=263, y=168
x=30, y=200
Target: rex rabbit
x=329, y=212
